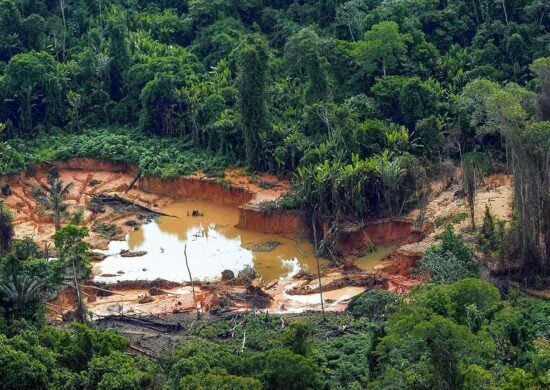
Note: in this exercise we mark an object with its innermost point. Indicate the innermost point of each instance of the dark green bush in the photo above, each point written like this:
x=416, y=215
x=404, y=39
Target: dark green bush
x=376, y=305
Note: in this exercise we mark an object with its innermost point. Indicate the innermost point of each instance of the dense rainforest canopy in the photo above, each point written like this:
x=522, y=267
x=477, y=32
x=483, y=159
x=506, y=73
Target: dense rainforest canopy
x=361, y=102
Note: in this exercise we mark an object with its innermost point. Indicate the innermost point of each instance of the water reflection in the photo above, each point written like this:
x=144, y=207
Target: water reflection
x=213, y=245
x=370, y=260
x=136, y=239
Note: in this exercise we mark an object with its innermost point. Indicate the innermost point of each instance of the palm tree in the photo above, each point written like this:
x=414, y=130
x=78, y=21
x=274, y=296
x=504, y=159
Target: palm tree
x=52, y=197
x=391, y=172
x=21, y=291
x=6, y=229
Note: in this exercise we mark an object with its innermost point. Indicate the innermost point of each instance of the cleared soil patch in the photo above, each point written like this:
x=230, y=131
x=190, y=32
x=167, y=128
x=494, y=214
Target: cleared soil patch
x=91, y=178
x=111, y=220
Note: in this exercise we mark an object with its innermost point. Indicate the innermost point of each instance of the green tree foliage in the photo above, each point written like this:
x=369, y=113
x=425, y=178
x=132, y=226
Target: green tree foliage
x=216, y=42
x=75, y=348
x=541, y=68
x=386, y=183
x=220, y=380
x=407, y=99
x=73, y=254
x=19, y=32
x=429, y=135
x=76, y=358
x=159, y=157
x=21, y=293
x=376, y=305
x=297, y=338
x=165, y=110
x=446, y=345
x=6, y=229
x=19, y=370
x=251, y=83
x=12, y=159
x=439, y=338
x=284, y=369
x=351, y=16
x=492, y=236
x=32, y=91
x=118, y=371
x=303, y=55
x=448, y=262
x=10, y=28
x=510, y=112
x=52, y=196
x=382, y=47
x=26, y=279
x=119, y=57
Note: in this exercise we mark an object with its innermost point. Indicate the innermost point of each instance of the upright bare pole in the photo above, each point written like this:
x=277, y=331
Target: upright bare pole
x=318, y=265
x=192, y=282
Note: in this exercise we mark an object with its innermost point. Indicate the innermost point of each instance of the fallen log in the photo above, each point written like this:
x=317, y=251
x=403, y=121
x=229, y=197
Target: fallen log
x=133, y=183
x=367, y=280
x=102, y=289
x=143, y=352
x=106, y=198
x=129, y=253
x=271, y=284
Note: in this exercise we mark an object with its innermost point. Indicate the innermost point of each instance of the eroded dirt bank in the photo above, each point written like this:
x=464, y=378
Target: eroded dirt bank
x=91, y=178
x=448, y=206
x=252, y=217
x=94, y=178
x=352, y=239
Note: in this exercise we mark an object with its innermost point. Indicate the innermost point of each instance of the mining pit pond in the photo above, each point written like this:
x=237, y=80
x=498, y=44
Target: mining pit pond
x=213, y=243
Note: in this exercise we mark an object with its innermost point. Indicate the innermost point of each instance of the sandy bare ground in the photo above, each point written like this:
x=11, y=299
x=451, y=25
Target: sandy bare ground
x=32, y=220
x=448, y=206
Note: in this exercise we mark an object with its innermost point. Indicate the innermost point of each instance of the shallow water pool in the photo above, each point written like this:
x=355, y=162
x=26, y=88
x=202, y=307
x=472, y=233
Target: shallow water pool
x=372, y=259
x=213, y=242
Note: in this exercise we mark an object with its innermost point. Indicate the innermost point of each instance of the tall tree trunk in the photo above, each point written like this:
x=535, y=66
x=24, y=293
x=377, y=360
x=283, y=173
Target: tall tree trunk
x=80, y=308
x=25, y=116
x=351, y=32
x=62, y=7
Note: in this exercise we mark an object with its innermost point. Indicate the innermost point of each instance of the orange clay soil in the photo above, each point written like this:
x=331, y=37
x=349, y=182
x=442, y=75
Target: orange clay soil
x=213, y=296
x=91, y=177
x=445, y=207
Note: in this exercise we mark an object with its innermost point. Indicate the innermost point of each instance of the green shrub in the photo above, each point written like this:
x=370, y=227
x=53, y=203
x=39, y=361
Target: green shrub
x=283, y=369
x=376, y=305
x=219, y=380
x=6, y=190
x=162, y=157
x=448, y=262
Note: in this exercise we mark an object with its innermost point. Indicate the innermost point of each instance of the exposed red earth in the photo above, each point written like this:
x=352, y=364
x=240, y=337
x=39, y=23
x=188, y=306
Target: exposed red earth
x=93, y=177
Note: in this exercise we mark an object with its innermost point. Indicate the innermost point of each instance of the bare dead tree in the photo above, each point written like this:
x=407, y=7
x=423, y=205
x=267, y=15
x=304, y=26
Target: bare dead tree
x=81, y=312
x=192, y=282
x=318, y=265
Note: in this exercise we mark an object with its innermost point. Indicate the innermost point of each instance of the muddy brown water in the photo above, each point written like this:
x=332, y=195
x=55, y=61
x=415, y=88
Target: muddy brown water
x=214, y=244
x=371, y=260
